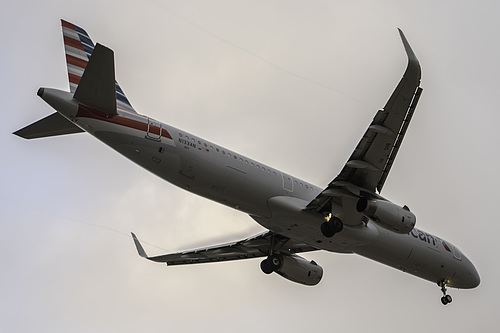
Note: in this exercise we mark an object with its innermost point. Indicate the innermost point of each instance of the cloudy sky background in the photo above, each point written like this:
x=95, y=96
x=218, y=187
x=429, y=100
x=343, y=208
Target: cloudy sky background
x=293, y=84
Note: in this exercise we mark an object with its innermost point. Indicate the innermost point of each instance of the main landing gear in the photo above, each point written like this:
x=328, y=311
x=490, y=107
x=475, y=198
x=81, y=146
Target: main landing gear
x=332, y=226
x=446, y=298
x=271, y=263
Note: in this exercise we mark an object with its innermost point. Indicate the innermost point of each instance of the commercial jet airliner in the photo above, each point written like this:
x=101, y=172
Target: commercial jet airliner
x=348, y=216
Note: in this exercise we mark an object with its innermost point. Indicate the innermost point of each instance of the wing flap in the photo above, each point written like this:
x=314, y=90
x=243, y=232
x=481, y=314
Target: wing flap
x=399, y=140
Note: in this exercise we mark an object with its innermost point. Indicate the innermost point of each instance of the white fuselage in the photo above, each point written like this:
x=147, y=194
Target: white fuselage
x=272, y=198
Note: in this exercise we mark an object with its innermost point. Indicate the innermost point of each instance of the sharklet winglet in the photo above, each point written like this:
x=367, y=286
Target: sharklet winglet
x=139, y=247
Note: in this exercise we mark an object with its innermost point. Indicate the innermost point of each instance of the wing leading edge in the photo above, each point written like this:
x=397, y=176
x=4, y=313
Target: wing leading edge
x=368, y=167
x=253, y=247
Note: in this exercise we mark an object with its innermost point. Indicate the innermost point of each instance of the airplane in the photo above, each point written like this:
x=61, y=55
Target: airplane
x=347, y=216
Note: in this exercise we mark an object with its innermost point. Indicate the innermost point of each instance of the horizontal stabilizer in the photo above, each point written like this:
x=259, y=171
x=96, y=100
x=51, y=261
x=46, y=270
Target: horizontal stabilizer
x=52, y=125
x=97, y=86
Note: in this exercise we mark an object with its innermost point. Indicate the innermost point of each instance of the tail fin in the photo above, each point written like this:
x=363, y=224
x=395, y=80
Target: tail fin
x=97, y=86
x=79, y=47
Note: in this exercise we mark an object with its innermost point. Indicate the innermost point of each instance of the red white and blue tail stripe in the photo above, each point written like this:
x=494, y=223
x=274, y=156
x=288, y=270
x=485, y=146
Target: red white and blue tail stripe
x=78, y=47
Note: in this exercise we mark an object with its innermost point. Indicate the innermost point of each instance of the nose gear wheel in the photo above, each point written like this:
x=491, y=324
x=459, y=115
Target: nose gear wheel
x=446, y=299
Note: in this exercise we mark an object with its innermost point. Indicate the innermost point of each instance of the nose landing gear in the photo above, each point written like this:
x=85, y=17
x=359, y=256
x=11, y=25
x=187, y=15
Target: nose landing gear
x=446, y=298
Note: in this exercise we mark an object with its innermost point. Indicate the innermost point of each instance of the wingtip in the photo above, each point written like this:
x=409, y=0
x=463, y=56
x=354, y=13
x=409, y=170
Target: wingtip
x=139, y=247
x=406, y=44
x=412, y=58
x=403, y=37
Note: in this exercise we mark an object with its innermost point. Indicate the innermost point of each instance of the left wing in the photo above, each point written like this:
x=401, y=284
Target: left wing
x=253, y=247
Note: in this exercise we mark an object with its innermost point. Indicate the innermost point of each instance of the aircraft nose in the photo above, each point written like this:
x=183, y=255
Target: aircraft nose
x=474, y=280
x=469, y=278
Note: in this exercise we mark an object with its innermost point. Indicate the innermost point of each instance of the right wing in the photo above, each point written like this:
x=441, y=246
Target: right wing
x=365, y=172
x=253, y=247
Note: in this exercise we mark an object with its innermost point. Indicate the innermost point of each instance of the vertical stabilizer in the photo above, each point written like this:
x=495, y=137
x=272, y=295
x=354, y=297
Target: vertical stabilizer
x=78, y=48
x=97, y=85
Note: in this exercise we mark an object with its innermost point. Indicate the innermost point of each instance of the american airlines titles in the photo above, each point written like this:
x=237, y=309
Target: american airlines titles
x=423, y=236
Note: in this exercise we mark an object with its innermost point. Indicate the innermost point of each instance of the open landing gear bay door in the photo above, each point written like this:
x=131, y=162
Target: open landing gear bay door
x=365, y=172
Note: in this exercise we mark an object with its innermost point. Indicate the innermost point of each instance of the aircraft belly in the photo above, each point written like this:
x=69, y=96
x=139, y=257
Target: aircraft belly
x=291, y=220
x=209, y=175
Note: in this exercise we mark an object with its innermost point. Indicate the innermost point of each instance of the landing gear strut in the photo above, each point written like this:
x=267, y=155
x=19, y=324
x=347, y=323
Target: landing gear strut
x=446, y=298
x=331, y=227
x=274, y=261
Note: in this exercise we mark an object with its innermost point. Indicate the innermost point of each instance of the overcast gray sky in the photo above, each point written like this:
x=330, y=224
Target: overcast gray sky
x=293, y=84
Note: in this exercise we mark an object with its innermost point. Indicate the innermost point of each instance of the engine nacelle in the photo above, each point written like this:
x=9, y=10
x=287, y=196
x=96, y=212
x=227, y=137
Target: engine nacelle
x=295, y=268
x=388, y=215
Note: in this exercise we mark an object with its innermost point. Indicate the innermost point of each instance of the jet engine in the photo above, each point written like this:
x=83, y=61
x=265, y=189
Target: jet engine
x=388, y=215
x=293, y=268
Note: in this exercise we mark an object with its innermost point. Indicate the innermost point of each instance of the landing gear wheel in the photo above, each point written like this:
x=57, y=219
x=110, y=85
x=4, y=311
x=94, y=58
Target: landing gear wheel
x=275, y=261
x=446, y=299
x=331, y=227
x=265, y=267
x=338, y=226
x=327, y=230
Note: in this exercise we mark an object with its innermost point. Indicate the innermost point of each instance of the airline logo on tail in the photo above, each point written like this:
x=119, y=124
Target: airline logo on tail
x=79, y=47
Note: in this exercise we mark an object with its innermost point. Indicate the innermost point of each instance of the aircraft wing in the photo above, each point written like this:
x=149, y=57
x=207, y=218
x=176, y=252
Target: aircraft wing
x=367, y=168
x=253, y=247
